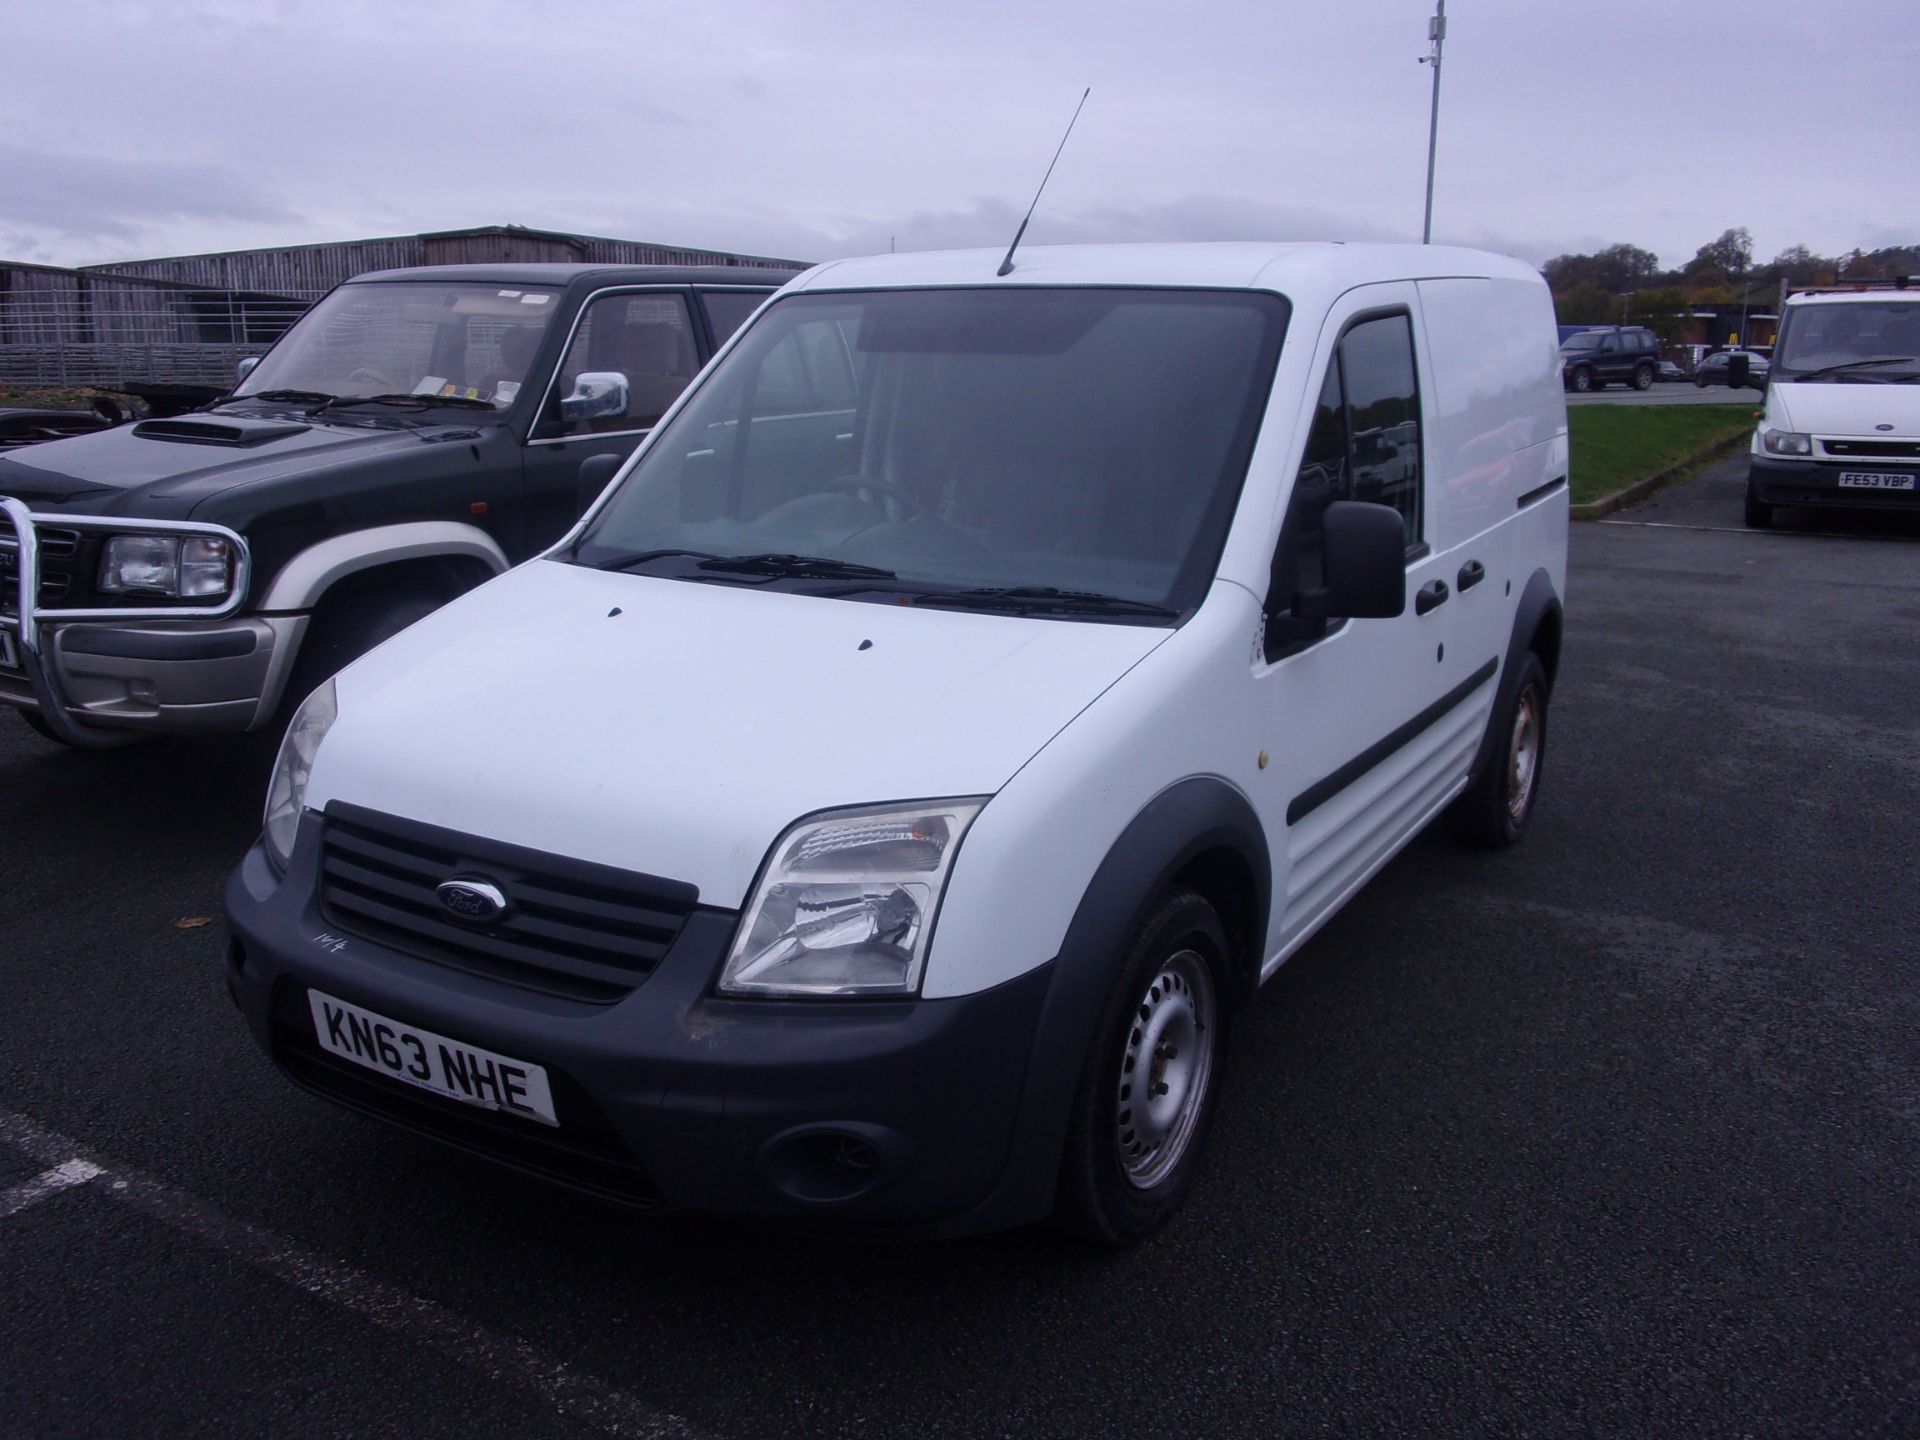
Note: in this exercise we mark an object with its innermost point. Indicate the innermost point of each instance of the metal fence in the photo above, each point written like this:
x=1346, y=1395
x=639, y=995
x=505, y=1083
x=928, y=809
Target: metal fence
x=104, y=334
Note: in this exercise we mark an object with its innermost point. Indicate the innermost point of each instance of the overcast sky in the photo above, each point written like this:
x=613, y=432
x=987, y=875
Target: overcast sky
x=809, y=129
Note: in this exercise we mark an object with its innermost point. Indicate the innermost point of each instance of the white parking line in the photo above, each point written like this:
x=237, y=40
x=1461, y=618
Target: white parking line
x=580, y=1397
x=49, y=1182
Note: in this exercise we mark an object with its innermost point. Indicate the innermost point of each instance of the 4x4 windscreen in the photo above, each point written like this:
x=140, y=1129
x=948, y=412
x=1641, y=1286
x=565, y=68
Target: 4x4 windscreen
x=435, y=340
x=1850, y=340
x=1051, y=448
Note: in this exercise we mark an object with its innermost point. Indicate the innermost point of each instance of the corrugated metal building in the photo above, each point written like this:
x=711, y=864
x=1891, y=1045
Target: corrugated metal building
x=186, y=319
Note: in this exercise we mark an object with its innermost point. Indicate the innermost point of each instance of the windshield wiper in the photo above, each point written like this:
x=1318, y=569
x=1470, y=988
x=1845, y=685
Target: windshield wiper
x=1035, y=599
x=296, y=397
x=778, y=565
x=411, y=402
x=1857, y=365
x=641, y=557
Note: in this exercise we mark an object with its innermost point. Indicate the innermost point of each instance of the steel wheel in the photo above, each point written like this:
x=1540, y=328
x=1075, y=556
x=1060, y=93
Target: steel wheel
x=1523, y=754
x=1165, y=1069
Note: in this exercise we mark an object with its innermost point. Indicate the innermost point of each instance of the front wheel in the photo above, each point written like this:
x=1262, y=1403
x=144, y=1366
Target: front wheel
x=344, y=631
x=1148, y=1087
x=1759, y=514
x=1494, y=811
x=1581, y=381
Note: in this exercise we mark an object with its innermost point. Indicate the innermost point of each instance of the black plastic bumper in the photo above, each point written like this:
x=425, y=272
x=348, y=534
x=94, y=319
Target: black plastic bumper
x=887, y=1116
x=1817, y=483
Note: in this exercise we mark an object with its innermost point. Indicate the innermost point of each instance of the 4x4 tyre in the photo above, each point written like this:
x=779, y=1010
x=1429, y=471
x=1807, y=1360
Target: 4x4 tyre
x=1643, y=377
x=1581, y=380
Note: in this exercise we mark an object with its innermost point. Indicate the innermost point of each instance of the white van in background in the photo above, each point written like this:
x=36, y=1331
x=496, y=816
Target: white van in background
x=1841, y=425
x=976, y=685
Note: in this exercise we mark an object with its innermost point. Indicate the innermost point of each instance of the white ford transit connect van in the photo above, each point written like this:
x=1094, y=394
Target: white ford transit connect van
x=875, y=809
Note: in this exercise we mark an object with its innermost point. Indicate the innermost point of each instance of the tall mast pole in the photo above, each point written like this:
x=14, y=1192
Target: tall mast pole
x=1437, y=33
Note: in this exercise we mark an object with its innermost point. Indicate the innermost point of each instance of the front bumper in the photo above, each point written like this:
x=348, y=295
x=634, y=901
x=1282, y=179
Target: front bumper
x=95, y=673
x=1817, y=482
x=877, y=1116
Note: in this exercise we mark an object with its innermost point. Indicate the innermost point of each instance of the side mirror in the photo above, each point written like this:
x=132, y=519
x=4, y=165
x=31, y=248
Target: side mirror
x=595, y=472
x=244, y=368
x=596, y=393
x=1739, y=369
x=1366, y=565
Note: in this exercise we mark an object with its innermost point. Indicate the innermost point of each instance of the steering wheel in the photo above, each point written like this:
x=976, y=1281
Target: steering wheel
x=910, y=504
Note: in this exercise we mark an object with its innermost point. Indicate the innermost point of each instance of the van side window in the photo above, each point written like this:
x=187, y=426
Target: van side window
x=1364, y=444
x=1383, y=410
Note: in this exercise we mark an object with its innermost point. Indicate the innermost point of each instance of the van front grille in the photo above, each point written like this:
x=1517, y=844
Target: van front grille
x=588, y=932
x=1874, y=449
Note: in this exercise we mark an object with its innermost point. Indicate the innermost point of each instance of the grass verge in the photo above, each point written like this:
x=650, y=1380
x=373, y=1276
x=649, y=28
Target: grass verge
x=1614, y=445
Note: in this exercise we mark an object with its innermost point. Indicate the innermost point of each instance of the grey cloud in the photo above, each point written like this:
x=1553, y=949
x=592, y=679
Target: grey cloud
x=88, y=199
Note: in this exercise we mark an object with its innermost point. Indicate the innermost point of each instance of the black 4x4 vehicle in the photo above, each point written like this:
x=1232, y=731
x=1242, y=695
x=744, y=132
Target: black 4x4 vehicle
x=417, y=432
x=1593, y=358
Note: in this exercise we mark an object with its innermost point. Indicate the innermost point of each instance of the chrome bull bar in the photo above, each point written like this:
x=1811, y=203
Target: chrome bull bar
x=30, y=624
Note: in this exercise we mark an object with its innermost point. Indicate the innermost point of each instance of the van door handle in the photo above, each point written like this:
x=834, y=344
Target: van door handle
x=1430, y=595
x=1471, y=574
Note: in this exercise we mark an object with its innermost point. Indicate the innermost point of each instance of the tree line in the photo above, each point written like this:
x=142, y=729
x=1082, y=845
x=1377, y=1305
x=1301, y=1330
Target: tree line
x=1625, y=284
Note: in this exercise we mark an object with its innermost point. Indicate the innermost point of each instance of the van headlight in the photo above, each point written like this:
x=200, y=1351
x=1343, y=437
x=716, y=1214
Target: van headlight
x=287, y=791
x=847, y=901
x=1786, y=442
x=186, y=567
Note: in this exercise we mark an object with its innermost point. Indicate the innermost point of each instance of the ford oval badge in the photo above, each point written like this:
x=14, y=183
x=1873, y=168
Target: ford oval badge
x=472, y=899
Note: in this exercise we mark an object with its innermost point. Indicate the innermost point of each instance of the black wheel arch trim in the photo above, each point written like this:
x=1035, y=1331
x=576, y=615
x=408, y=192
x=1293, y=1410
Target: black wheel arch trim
x=1539, y=606
x=1184, y=823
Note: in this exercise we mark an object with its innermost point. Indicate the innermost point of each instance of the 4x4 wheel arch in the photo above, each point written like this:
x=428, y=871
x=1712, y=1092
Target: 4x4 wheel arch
x=1199, y=834
x=318, y=568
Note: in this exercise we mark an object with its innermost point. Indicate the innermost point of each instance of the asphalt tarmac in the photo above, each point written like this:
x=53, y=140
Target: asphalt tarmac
x=1615, y=1133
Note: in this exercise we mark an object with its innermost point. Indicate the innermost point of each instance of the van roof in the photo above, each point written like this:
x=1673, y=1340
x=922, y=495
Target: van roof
x=1853, y=297
x=1298, y=270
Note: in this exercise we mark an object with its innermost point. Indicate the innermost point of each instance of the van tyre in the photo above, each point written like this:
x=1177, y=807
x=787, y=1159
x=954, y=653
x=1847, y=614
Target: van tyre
x=1494, y=811
x=1759, y=514
x=1147, y=1091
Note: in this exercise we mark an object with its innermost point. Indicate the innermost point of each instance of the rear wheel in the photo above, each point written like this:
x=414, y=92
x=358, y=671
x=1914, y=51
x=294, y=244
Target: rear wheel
x=1147, y=1089
x=1494, y=811
x=1643, y=378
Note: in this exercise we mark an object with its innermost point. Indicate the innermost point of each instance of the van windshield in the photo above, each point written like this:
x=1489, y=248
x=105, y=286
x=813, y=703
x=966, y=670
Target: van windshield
x=1849, y=340
x=960, y=445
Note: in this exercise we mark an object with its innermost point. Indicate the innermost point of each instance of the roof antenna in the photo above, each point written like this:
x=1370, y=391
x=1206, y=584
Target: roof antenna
x=1006, y=265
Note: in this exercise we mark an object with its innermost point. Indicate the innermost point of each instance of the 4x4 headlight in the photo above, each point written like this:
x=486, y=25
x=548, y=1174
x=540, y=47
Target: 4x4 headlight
x=287, y=791
x=181, y=567
x=1786, y=442
x=847, y=902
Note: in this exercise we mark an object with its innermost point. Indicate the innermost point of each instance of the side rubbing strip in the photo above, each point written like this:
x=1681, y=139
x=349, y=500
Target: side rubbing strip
x=1321, y=791
x=1540, y=492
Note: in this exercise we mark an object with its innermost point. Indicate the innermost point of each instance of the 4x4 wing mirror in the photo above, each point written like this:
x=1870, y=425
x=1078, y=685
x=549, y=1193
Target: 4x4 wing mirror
x=595, y=393
x=1366, y=565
